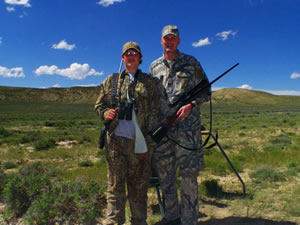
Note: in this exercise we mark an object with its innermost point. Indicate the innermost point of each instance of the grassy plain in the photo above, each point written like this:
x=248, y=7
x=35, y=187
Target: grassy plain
x=262, y=141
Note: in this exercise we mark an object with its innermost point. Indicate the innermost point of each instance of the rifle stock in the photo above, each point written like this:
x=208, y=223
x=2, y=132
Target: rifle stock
x=101, y=141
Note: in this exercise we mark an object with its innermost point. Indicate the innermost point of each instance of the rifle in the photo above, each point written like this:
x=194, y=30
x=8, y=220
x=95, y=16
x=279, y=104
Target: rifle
x=161, y=130
x=101, y=141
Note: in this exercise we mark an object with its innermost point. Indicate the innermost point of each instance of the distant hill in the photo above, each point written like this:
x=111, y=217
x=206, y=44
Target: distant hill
x=226, y=96
x=251, y=97
x=58, y=95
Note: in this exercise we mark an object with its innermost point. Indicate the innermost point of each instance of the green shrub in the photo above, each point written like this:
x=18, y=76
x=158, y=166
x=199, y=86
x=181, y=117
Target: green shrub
x=272, y=147
x=49, y=123
x=69, y=202
x=281, y=140
x=242, y=134
x=86, y=163
x=3, y=132
x=9, y=165
x=31, y=137
x=264, y=174
x=44, y=144
x=212, y=188
x=292, y=164
x=21, y=189
x=84, y=139
x=36, y=194
x=289, y=122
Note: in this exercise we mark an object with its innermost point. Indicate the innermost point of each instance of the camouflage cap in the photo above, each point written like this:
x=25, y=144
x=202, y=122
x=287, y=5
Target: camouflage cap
x=131, y=45
x=170, y=29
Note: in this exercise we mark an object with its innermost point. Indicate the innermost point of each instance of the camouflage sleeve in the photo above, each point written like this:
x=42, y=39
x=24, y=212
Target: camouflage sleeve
x=103, y=102
x=200, y=75
x=151, y=70
x=155, y=104
x=158, y=103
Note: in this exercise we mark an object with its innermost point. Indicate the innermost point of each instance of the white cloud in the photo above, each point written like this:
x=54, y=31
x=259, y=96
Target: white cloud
x=10, y=9
x=202, y=42
x=106, y=3
x=87, y=85
x=245, y=86
x=225, y=34
x=295, y=75
x=216, y=88
x=276, y=92
x=56, y=86
x=16, y=72
x=75, y=71
x=63, y=45
x=18, y=2
x=283, y=92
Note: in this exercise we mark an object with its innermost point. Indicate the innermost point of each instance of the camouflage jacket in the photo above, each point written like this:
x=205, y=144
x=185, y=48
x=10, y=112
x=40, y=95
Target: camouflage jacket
x=182, y=76
x=146, y=95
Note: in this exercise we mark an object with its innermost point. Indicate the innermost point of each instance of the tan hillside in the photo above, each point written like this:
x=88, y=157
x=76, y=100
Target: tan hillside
x=88, y=95
x=252, y=97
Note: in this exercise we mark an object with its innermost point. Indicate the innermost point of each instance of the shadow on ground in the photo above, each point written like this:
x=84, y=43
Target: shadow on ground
x=242, y=221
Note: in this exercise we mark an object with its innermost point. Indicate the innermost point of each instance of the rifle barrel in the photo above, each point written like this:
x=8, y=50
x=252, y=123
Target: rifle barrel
x=193, y=93
x=231, y=68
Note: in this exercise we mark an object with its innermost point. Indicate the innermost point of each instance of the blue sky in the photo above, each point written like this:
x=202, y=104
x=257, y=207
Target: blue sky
x=65, y=43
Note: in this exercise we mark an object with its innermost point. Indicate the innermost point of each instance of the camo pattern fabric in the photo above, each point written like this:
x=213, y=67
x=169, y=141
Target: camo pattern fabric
x=183, y=74
x=181, y=77
x=125, y=167
x=147, y=93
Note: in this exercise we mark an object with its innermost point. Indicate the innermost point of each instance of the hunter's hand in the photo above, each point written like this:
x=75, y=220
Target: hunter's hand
x=183, y=112
x=111, y=114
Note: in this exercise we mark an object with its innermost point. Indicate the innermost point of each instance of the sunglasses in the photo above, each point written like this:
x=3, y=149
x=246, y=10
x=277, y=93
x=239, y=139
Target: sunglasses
x=131, y=53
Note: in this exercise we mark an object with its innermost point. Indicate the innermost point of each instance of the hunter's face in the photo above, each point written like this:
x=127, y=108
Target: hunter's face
x=131, y=59
x=170, y=43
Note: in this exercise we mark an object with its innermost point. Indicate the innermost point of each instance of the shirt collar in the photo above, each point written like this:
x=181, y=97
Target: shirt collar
x=176, y=58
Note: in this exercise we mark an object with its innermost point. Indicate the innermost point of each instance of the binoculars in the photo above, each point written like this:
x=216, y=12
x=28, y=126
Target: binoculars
x=125, y=112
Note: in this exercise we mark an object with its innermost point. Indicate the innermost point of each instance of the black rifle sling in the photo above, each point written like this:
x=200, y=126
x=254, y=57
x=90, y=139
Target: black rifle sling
x=115, y=79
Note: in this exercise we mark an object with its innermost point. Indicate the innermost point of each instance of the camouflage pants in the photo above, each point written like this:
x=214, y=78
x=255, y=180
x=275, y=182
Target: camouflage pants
x=167, y=158
x=125, y=168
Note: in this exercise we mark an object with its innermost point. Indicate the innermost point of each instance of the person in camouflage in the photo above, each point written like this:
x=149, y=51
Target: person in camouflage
x=128, y=148
x=182, y=149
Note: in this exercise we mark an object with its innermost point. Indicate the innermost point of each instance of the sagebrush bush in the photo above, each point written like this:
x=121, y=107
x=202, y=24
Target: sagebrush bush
x=49, y=123
x=281, y=140
x=44, y=144
x=31, y=136
x=3, y=132
x=263, y=174
x=272, y=147
x=38, y=196
x=68, y=202
x=86, y=163
x=21, y=189
x=9, y=165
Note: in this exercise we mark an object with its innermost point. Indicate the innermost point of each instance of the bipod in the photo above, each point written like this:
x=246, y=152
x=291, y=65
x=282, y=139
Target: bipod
x=215, y=138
